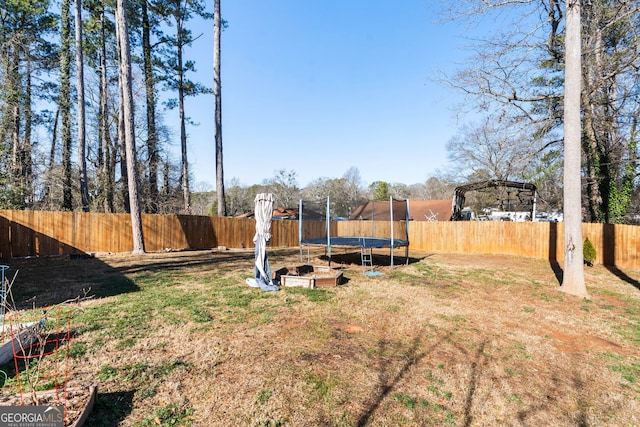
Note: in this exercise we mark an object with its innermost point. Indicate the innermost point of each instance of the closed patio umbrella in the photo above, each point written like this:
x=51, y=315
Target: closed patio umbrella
x=262, y=270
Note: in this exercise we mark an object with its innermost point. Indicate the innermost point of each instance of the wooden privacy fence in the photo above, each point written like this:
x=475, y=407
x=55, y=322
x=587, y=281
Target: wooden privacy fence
x=616, y=245
x=42, y=233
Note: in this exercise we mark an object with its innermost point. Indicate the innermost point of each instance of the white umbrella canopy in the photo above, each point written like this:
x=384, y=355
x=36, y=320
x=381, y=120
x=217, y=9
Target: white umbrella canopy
x=262, y=271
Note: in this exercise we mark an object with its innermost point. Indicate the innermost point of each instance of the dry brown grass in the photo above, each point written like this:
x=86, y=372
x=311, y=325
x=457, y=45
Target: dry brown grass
x=446, y=340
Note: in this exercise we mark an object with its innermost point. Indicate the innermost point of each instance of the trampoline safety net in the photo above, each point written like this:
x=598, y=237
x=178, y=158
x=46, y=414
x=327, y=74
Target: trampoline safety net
x=375, y=224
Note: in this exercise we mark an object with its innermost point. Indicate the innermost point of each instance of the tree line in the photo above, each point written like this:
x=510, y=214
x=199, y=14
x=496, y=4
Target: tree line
x=67, y=86
x=345, y=193
x=46, y=115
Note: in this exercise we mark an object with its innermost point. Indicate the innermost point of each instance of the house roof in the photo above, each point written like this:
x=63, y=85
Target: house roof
x=379, y=210
x=419, y=210
x=430, y=210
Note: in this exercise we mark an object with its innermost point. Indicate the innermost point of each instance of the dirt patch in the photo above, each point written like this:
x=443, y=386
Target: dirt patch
x=571, y=343
x=349, y=328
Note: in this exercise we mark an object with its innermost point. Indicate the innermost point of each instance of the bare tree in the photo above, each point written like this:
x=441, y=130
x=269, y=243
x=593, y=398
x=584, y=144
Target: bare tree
x=344, y=193
x=128, y=119
x=354, y=190
x=284, y=187
x=239, y=198
x=438, y=187
x=498, y=146
x=573, y=277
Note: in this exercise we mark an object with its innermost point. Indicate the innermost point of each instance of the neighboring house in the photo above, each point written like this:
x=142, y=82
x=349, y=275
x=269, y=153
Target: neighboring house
x=419, y=210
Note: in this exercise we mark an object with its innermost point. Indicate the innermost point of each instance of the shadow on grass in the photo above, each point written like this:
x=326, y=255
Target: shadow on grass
x=379, y=260
x=623, y=276
x=41, y=282
x=387, y=382
x=110, y=408
x=557, y=271
x=45, y=282
x=473, y=381
x=186, y=260
x=553, y=252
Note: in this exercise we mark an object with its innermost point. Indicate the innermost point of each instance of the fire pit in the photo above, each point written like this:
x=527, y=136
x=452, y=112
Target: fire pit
x=308, y=276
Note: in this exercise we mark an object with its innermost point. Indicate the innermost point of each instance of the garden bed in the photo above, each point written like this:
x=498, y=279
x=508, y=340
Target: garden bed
x=77, y=402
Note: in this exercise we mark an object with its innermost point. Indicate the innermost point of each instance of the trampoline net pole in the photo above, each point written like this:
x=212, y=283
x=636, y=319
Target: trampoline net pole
x=406, y=231
x=391, y=226
x=300, y=227
x=373, y=218
x=328, y=233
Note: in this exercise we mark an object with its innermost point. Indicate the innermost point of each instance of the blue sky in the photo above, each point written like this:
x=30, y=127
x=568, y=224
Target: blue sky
x=318, y=87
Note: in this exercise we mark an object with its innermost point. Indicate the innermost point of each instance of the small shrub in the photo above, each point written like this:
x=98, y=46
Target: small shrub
x=264, y=396
x=405, y=400
x=107, y=372
x=169, y=415
x=78, y=349
x=588, y=252
x=200, y=315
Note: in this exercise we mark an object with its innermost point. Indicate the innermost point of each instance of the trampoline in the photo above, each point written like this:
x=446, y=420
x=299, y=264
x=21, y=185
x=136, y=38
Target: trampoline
x=356, y=242
x=373, y=238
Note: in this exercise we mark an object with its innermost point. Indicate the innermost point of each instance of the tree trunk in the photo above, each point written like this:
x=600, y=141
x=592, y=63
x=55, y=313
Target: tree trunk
x=13, y=80
x=186, y=194
x=152, y=135
x=82, y=159
x=54, y=138
x=129, y=130
x=27, y=160
x=573, y=275
x=106, y=152
x=217, y=95
x=122, y=151
x=592, y=166
x=65, y=105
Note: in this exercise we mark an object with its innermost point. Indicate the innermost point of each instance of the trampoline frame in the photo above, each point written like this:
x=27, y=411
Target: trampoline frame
x=355, y=241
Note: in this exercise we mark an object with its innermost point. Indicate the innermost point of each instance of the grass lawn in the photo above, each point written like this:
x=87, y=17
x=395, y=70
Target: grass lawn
x=178, y=338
